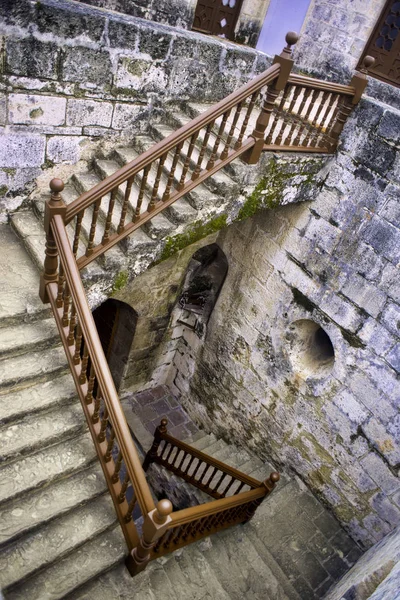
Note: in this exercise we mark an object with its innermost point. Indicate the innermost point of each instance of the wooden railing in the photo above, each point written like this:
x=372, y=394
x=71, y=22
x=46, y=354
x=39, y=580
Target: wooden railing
x=293, y=112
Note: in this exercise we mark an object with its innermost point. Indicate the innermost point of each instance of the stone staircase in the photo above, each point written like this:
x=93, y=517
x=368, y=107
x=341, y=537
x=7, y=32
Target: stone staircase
x=221, y=194
x=60, y=537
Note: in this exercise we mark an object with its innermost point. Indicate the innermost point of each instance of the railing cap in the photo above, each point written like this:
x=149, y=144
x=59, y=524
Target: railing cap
x=56, y=185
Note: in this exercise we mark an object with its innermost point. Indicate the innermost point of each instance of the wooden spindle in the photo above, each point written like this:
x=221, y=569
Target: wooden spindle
x=125, y=205
x=171, y=175
x=118, y=464
x=110, y=211
x=104, y=422
x=187, y=161
x=203, y=149
x=95, y=216
x=67, y=301
x=141, y=192
x=84, y=365
x=110, y=445
x=131, y=506
x=156, y=185
x=77, y=234
x=278, y=117
x=231, y=133
x=246, y=119
x=292, y=114
x=91, y=381
x=308, y=128
x=72, y=326
x=217, y=142
x=315, y=130
x=78, y=342
x=301, y=124
x=96, y=412
x=124, y=487
x=60, y=290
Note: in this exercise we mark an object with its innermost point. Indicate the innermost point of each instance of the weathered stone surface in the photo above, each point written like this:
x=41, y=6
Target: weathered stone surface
x=58, y=19
x=32, y=58
x=64, y=149
x=126, y=115
x=27, y=150
x=389, y=127
x=38, y=110
x=83, y=65
x=89, y=112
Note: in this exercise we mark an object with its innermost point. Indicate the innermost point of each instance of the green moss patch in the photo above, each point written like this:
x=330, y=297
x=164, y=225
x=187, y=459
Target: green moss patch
x=120, y=281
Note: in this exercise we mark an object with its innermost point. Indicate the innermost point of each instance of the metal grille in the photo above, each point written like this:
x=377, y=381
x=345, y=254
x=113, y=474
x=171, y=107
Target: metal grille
x=384, y=45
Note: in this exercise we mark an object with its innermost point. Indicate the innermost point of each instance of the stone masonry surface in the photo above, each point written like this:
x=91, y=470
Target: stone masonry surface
x=74, y=76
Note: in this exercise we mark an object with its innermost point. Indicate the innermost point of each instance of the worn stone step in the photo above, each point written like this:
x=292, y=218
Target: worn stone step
x=38, y=397
x=62, y=578
x=204, y=441
x=39, y=507
x=21, y=339
x=37, y=431
x=51, y=542
x=45, y=465
x=20, y=371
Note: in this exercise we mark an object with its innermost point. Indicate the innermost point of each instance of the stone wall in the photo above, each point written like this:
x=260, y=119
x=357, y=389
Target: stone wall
x=73, y=75
x=298, y=275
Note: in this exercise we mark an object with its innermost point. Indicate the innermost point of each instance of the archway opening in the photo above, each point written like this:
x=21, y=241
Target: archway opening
x=116, y=325
x=311, y=351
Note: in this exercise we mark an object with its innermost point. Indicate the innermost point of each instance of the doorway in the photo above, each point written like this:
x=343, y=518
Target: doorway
x=217, y=17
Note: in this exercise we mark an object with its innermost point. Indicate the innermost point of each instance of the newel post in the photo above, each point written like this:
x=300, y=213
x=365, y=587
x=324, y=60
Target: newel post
x=54, y=206
x=359, y=82
x=152, y=453
x=155, y=524
x=286, y=63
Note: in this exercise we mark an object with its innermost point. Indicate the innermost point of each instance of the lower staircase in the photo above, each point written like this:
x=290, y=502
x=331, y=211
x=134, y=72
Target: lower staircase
x=60, y=537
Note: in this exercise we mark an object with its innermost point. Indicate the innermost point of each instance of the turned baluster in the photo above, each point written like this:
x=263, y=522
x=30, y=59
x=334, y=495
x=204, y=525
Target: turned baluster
x=141, y=192
x=152, y=453
x=328, y=119
x=78, y=228
x=66, y=303
x=131, y=506
x=125, y=205
x=278, y=119
x=286, y=63
x=54, y=206
x=96, y=411
x=318, y=120
x=110, y=445
x=309, y=125
x=72, y=325
x=309, y=96
x=243, y=128
x=187, y=160
x=111, y=205
x=231, y=133
x=78, y=342
x=177, y=154
x=104, y=421
x=156, y=185
x=92, y=378
x=203, y=149
x=292, y=116
x=124, y=487
x=84, y=365
x=92, y=232
x=118, y=464
x=155, y=524
x=220, y=133
x=60, y=292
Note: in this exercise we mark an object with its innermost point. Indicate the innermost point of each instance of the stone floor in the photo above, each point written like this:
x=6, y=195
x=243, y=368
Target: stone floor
x=304, y=539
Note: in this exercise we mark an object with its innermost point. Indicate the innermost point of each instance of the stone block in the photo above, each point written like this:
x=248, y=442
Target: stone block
x=389, y=127
x=368, y=113
x=380, y=438
x=69, y=21
x=36, y=110
x=393, y=357
x=32, y=58
x=382, y=236
x=210, y=54
x=391, y=282
x=126, y=115
x=364, y=294
x=377, y=337
x=341, y=311
x=375, y=154
x=391, y=318
x=380, y=473
x=64, y=149
x=3, y=109
x=355, y=411
x=84, y=65
x=154, y=43
x=22, y=151
x=385, y=509
x=139, y=76
x=239, y=59
x=89, y=112
x=325, y=235
x=123, y=34
x=16, y=13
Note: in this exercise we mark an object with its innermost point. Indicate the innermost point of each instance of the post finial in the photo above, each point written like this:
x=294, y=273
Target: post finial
x=291, y=39
x=367, y=63
x=274, y=477
x=163, y=509
x=56, y=185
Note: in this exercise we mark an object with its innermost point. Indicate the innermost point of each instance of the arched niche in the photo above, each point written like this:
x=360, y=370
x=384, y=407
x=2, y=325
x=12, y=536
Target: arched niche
x=116, y=324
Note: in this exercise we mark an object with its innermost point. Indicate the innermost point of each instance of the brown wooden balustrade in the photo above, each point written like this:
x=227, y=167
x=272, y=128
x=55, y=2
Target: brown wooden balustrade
x=275, y=111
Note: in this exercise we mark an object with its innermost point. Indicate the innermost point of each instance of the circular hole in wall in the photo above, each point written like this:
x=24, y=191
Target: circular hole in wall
x=310, y=349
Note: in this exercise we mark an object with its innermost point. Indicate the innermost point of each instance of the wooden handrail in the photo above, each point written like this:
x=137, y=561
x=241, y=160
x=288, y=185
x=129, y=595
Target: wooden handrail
x=193, y=513
x=318, y=84
x=101, y=367
x=160, y=148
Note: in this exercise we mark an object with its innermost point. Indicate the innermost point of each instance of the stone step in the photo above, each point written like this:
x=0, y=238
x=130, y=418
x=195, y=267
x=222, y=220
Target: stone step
x=37, y=431
x=46, y=465
x=21, y=339
x=58, y=580
x=39, y=507
x=203, y=442
x=21, y=371
x=51, y=542
x=35, y=398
